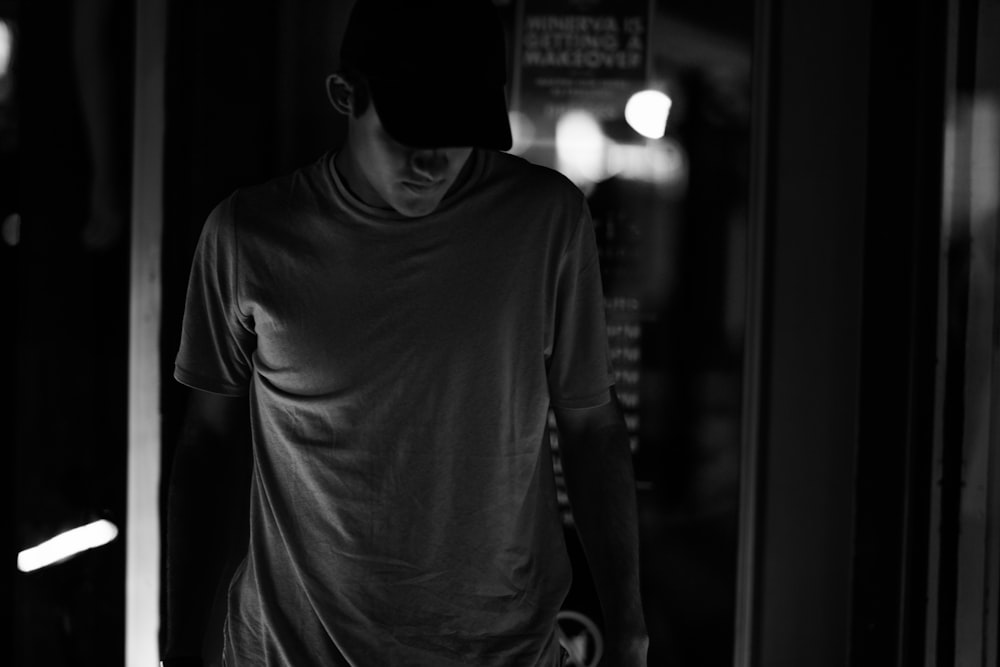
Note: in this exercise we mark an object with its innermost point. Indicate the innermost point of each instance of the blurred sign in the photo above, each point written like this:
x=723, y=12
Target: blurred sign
x=580, y=54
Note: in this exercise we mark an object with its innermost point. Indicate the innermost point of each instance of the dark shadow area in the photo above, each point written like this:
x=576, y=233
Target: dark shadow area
x=66, y=133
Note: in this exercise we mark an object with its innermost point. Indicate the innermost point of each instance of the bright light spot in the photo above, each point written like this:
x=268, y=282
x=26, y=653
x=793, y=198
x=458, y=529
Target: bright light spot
x=522, y=131
x=580, y=148
x=67, y=544
x=6, y=46
x=646, y=112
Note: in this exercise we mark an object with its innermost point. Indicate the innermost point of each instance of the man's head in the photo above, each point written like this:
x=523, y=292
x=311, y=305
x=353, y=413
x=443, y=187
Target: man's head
x=422, y=83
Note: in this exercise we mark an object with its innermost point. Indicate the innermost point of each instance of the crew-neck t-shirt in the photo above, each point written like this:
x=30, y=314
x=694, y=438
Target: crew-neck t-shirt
x=399, y=371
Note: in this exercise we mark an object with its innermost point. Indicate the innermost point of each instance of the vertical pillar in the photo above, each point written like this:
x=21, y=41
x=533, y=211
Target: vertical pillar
x=142, y=571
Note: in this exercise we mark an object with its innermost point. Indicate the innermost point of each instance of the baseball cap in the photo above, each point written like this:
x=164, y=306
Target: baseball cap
x=436, y=69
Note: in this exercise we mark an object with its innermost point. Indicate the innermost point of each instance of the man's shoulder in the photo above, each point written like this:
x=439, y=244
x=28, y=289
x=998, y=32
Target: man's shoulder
x=260, y=210
x=531, y=178
x=515, y=166
x=272, y=202
x=287, y=188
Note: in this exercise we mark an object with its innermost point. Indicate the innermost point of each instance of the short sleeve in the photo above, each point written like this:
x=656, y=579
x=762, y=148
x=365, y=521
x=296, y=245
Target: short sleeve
x=217, y=340
x=580, y=372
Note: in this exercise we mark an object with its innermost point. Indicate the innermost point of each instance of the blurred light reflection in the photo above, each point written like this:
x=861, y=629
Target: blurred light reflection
x=522, y=130
x=10, y=229
x=66, y=545
x=586, y=155
x=662, y=162
x=581, y=148
x=6, y=47
x=647, y=112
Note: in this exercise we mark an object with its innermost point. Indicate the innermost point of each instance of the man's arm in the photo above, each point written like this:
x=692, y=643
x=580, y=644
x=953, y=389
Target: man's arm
x=207, y=492
x=597, y=464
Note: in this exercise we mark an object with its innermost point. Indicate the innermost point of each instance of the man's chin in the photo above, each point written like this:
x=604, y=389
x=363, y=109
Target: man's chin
x=416, y=207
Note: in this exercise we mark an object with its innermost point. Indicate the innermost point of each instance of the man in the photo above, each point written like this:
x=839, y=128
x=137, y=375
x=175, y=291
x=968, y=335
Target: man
x=397, y=319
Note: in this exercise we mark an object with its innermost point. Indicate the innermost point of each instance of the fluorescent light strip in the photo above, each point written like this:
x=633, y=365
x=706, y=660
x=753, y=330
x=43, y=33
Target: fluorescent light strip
x=66, y=545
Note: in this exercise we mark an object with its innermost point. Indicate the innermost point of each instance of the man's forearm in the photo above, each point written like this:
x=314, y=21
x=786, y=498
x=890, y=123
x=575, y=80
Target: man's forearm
x=200, y=527
x=600, y=480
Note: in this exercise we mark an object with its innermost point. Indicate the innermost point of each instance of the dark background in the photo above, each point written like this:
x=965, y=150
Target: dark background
x=245, y=102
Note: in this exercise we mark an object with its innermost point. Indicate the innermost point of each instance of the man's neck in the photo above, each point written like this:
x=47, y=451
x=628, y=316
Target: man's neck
x=354, y=180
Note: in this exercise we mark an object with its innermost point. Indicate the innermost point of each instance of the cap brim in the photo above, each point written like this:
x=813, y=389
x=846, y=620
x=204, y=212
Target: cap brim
x=417, y=115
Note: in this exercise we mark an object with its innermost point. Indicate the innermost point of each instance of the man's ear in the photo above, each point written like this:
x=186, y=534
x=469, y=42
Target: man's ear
x=340, y=92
